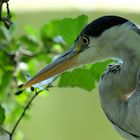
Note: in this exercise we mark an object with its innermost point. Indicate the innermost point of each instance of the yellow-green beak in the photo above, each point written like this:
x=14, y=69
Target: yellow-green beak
x=59, y=65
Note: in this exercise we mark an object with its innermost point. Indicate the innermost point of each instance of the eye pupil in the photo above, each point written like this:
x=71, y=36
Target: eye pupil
x=85, y=40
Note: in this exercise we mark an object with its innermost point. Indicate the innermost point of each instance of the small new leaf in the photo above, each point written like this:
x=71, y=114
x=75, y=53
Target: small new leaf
x=19, y=92
x=32, y=88
x=20, y=86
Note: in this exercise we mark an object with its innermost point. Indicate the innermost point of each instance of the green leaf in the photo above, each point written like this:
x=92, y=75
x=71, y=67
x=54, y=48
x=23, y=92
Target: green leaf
x=78, y=78
x=83, y=78
x=2, y=115
x=29, y=40
x=69, y=28
x=5, y=82
x=49, y=30
x=31, y=30
x=98, y=68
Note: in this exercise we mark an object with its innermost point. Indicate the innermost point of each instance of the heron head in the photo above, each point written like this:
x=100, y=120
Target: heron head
x=86, y=49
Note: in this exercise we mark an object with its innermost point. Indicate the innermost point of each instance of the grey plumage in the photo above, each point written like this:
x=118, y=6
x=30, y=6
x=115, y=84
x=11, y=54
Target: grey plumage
x=118, y=110
x=119, y=90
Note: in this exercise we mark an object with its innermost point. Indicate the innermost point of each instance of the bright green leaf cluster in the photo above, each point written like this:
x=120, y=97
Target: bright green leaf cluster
x=24, y=54
x=28, y=53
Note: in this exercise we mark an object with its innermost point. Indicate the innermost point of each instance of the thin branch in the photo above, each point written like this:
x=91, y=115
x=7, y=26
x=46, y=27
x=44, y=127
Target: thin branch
x=23, y=113
x=6, y=20
x=25, y=110
x=20, y=117
x=4, y=130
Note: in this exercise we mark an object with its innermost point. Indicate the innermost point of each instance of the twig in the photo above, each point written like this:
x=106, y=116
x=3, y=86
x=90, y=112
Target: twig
x=23, y=113
x=4, y=130
x=20, y=117
x=6, y=20
x=25, y=110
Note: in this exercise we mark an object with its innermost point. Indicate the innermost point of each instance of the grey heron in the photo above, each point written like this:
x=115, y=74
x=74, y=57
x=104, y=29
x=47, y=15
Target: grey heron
x=108, y=37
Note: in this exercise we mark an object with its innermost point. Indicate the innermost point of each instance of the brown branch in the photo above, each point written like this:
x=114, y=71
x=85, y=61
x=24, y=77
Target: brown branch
x=6, y=20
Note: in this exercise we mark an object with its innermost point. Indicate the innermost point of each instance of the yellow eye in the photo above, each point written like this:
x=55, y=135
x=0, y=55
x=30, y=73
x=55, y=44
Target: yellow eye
x=85, y=40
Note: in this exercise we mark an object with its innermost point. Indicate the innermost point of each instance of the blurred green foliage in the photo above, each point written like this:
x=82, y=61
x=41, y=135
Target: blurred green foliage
x=2, y=115
x=37, y=47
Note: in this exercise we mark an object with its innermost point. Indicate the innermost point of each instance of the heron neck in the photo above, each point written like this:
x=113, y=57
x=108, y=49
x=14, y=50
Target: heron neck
x=123, y=83
x=114, y=90
x=125, y=47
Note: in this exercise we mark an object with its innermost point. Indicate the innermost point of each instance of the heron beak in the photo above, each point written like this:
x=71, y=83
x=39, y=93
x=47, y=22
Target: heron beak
x=59, y=65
